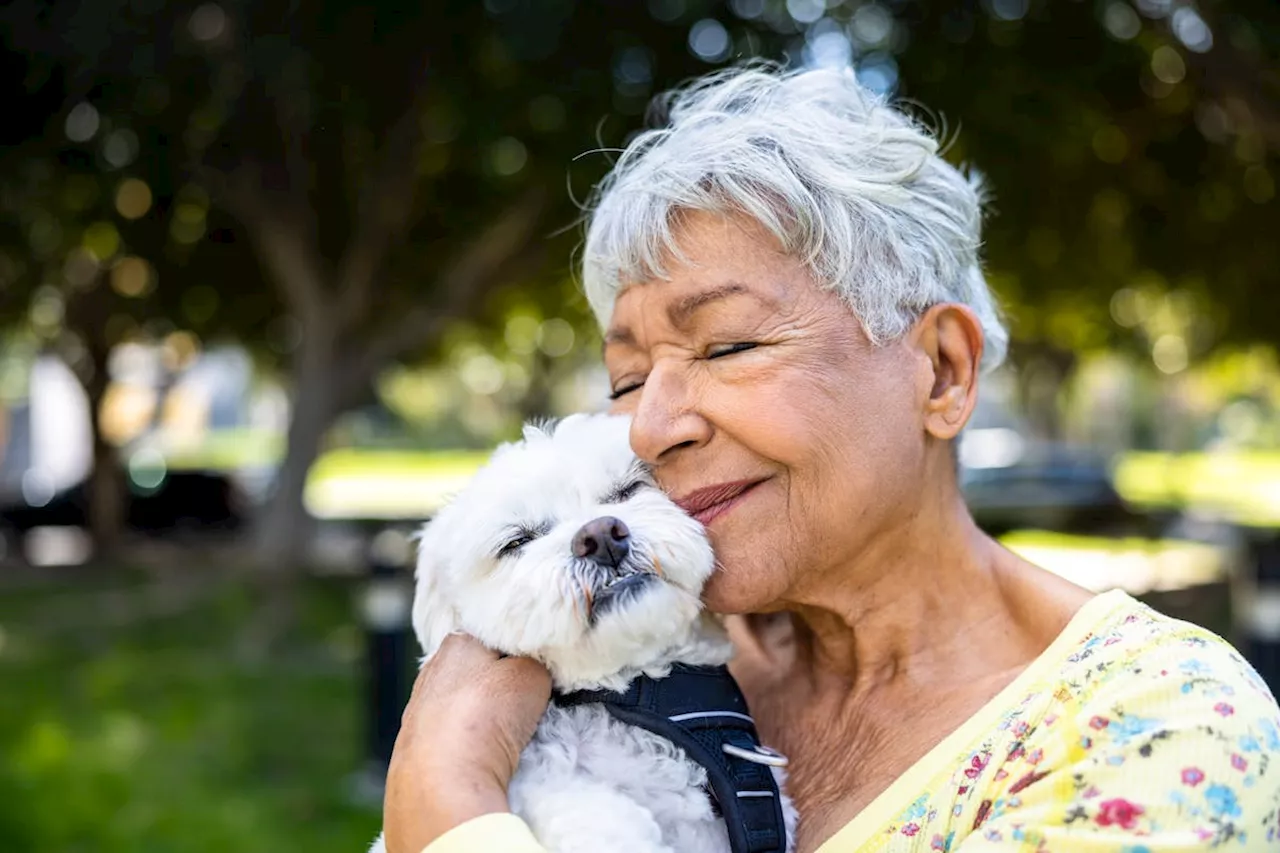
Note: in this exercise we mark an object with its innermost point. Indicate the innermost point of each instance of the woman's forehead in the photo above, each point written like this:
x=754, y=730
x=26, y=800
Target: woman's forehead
x=723, y=264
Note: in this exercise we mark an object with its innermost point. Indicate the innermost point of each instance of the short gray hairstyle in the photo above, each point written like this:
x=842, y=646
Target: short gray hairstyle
x=854, y=188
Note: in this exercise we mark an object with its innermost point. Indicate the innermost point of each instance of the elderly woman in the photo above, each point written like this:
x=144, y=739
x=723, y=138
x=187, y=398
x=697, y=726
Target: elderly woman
x=795, y=316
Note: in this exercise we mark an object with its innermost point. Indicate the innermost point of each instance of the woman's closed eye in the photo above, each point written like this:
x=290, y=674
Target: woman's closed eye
x=713, y=352
x=624, y=388
x=721, y=350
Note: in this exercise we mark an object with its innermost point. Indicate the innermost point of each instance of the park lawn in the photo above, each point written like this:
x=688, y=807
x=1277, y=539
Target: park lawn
x=142, y=734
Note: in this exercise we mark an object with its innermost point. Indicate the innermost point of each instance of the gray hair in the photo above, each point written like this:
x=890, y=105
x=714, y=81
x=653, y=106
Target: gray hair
x=849, y=185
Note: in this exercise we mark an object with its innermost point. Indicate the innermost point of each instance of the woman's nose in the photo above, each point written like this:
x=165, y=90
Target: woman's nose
x=666, y=418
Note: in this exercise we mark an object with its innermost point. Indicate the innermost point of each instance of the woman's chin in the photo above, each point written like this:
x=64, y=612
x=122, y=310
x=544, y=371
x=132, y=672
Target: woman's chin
x=728, y=593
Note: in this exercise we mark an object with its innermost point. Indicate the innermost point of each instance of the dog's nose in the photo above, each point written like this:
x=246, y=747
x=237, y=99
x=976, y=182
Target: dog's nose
x=603, y=540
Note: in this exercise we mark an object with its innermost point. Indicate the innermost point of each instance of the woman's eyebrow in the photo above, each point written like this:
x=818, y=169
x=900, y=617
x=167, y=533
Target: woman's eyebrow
x=619, y=335
x=680, y=312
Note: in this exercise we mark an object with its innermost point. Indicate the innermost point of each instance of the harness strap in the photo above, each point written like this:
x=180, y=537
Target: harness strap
x=701, y=710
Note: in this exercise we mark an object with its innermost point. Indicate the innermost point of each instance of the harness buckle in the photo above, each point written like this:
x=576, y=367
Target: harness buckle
x=757, y=755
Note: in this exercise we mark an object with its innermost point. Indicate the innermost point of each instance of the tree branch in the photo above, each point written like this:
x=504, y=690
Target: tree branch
x=291, y=101
x=385, y=209
x=504, y=248
x=280, y=238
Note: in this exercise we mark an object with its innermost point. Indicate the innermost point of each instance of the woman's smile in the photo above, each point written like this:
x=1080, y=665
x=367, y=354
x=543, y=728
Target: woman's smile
x=708, y=504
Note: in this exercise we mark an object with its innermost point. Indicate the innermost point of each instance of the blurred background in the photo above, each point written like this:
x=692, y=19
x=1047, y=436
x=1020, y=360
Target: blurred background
x=274, y=276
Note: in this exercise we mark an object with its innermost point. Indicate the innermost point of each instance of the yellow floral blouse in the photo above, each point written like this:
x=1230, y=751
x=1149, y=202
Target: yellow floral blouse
x=1131, y=733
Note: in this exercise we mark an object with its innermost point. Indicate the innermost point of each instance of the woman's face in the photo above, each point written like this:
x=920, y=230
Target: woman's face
x=766, y=411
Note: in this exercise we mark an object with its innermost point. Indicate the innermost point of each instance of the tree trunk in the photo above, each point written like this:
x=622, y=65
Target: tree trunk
x=106, y=491
x=285, y=528
x=105, y=494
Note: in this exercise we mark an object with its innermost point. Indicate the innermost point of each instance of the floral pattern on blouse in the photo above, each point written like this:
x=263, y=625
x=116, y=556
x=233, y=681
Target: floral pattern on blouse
x=1150, y=735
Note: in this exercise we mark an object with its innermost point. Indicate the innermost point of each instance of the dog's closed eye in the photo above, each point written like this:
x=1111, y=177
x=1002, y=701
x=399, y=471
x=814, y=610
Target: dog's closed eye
x=518, y=538
x=626, y=492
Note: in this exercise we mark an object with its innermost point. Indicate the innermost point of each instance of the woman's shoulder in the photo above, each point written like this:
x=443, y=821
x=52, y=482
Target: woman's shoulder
x=1146, y=662
x=1148, y=731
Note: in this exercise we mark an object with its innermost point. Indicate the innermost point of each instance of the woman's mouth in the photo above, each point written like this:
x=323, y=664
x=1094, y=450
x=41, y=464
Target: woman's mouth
x=707, y=504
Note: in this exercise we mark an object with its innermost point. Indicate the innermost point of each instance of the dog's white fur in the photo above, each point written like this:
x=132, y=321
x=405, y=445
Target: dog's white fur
x=586, y=782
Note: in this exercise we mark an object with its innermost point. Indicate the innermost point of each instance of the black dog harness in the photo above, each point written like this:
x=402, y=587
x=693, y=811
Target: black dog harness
x=701, y=710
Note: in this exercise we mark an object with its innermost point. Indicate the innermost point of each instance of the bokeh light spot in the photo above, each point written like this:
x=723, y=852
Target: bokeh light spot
x=180, y=349
x=508, y=156
x=879, y=73
x=482, y=374
x=1167, y=65
x=82, y=122
x=872, y=25
x=521, y=334
x=188, y=224
x=133, y=198
x=828, y=46
x=102, y=240
x=1191, y=29
x=80, y=267
x=806, y=11
x=1170, y=354
x=131, y=277
x=1009, y=10
x=1121, y=21
x=633, y=66
x=1110, y=144
x=555, y=337
x=1155, y=8
x=46, y=310
x=120, y=148
x=207, y=22
x=709, y=40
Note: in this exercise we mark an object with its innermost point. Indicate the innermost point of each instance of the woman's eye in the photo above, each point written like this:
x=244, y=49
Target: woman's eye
x=624, y=389
x=730, y=349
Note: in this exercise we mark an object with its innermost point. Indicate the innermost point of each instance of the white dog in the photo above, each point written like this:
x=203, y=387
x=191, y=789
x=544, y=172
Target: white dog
x=564, y=550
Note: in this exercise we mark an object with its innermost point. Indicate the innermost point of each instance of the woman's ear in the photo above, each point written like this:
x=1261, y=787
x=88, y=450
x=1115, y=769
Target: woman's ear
x=950, y=337
x=434, y=617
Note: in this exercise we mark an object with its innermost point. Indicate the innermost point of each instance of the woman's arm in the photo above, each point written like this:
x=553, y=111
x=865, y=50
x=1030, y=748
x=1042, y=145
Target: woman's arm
x=469, y=718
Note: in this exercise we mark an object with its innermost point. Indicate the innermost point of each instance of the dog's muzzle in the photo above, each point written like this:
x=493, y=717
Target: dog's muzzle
x=611, y=575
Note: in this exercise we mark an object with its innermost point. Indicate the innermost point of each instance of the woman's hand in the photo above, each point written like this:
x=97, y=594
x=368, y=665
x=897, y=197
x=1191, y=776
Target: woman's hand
x=470, y=716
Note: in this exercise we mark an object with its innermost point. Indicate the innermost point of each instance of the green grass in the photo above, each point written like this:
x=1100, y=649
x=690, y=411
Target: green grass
x=144, y=735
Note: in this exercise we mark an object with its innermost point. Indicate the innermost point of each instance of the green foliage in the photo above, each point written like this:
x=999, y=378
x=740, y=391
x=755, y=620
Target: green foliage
x=147, y=737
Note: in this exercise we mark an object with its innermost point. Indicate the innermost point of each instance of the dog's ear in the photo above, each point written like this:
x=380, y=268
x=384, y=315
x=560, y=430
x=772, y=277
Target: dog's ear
x=539, y=429
x=434, y=618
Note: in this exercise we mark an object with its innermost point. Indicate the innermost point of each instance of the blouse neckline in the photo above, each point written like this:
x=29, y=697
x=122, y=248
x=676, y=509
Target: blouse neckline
x=915, y=780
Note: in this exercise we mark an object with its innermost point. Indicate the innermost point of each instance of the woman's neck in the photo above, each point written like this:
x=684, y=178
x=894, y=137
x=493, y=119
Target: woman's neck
x=913, y=608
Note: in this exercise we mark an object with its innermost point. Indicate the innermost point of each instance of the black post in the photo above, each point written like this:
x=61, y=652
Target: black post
x=385, y=610
x=1262, y=606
